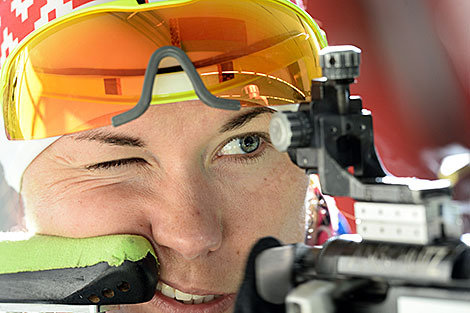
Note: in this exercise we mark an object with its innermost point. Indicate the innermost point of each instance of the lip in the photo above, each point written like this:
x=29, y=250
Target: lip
x=165, y=304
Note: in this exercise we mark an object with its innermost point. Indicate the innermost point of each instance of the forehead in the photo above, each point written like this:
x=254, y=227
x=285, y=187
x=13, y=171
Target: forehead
x=182, y=130
x=189, y=119
x=181, y=114
x=189, y=115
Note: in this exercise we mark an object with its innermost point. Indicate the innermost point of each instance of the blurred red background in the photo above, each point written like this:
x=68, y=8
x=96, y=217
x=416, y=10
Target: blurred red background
x=414, y=76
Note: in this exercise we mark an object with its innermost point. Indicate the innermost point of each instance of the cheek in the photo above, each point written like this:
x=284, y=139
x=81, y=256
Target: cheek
x=251, y=202
x=87, y=213
x=267, y=202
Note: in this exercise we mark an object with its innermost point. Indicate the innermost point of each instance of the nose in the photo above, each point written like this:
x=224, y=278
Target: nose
x=185, y=217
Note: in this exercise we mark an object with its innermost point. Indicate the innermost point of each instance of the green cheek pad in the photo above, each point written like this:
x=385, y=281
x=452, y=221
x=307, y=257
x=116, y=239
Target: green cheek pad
x=116, y=269
x=40, y=252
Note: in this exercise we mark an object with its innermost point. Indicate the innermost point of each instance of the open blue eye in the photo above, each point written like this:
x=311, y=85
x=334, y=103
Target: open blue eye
x=249, y=143
x=241, y=145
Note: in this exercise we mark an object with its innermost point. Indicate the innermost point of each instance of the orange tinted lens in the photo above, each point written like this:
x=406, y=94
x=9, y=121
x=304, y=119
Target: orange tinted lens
x=79, y=73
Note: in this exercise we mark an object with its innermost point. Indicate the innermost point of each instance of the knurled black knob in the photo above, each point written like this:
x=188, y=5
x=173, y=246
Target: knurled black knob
x=340, y=62
x=290, y=130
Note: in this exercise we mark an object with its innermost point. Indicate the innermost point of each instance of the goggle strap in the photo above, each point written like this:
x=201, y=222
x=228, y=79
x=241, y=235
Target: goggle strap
x=152, y=69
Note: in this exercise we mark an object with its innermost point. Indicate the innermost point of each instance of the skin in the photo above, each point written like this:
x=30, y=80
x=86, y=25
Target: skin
x=201, y=208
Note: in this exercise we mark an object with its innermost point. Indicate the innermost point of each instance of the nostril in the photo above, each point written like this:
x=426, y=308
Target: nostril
x=194, y=252
x=216, y=244
x=199, y=246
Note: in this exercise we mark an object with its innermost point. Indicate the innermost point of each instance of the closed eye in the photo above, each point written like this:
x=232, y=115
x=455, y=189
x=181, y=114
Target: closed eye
x=116, y=163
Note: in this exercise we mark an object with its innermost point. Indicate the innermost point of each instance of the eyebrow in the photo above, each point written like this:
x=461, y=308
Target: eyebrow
x=112, y=139
x=242, y=119
x=124, y=140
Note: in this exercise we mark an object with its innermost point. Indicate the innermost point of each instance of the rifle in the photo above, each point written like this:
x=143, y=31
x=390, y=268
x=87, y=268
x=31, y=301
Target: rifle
x=407, y=254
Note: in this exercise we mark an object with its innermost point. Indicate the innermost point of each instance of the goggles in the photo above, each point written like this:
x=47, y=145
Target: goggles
x=79, y=71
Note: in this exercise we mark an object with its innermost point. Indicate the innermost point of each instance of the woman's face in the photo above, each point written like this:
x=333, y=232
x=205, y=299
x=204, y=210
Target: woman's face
x=201, y=184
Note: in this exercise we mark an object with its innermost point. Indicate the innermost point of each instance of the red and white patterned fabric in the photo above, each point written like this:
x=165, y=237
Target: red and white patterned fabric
x=19, y=18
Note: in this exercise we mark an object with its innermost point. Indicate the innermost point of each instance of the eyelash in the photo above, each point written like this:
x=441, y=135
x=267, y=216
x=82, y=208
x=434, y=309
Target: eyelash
x=116, y=163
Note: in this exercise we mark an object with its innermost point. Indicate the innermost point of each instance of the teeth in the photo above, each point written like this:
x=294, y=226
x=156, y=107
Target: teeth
x=208, y=298
x=198, y=299
x=184, y=297
x=168, y=291
x=179, y=295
